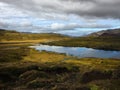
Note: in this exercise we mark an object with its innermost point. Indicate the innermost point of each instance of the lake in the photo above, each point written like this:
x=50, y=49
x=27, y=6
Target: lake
x=80, y=52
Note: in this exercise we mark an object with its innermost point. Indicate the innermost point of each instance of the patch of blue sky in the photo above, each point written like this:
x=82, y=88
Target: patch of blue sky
x=115, y=23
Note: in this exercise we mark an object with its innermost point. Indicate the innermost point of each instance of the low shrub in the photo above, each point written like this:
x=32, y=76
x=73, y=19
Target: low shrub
x=95, y=75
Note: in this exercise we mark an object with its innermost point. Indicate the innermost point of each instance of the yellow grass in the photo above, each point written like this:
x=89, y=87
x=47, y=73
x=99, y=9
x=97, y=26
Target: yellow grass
x=45, y=57
x=51, y=57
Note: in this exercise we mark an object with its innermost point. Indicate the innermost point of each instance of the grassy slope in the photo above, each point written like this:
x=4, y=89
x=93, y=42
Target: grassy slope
x=13, y=36
x=25, y=68
x=108, y=43
x=22, y=68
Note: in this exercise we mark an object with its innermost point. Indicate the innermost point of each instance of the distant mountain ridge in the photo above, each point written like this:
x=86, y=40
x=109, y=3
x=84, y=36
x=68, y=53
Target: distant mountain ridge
x=110, y=32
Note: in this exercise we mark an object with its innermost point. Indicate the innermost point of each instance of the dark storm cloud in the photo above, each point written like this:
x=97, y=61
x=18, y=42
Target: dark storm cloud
x=82, y=8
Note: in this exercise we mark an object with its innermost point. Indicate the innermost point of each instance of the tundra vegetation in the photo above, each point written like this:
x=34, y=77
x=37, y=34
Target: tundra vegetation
x=106, y=40
x=24, y=68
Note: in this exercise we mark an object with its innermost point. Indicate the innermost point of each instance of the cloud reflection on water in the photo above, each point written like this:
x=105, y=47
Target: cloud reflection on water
x=80, y=52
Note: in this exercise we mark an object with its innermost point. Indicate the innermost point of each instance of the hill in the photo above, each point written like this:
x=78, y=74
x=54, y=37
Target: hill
x=6, y=35
x=110, y=32
x=24, y=68
x=107, y=40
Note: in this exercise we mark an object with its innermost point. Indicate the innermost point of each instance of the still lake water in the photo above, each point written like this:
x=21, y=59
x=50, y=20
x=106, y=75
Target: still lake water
x=80, y=52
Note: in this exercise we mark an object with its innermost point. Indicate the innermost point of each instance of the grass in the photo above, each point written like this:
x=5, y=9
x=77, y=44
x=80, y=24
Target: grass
x=17, y=37
x=48, y=70
x=105, y=43
x=10, y=54
x=45, y=57
x=29, y=75
x=25, y=68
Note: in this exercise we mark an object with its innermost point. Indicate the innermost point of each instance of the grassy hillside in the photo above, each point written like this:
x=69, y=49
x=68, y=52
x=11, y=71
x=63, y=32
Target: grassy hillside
x=107, y=43
x=6, y=35
x=106, y=39
x=24, y=68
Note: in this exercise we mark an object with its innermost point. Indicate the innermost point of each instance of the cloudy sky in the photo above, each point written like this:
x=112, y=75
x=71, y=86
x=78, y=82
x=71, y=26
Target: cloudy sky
x=72, y=17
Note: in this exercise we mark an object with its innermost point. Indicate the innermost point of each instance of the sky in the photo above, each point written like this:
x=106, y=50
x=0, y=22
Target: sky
x=70, y=17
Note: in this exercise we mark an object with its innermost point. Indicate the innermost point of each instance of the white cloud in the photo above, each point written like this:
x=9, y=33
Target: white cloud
x=73, y=26
x=7, y=10
x=57, y=26
x=63, y=8
x=74, y=14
